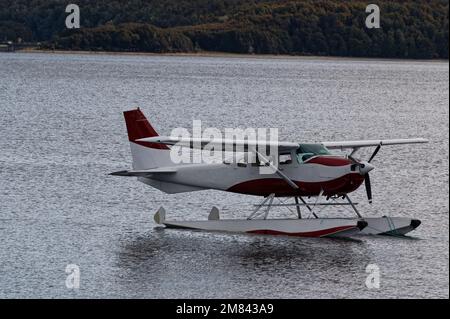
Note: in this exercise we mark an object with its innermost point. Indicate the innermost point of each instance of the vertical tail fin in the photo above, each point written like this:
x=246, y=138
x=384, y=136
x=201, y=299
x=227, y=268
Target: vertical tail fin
x=139, y=127
x=145, y=154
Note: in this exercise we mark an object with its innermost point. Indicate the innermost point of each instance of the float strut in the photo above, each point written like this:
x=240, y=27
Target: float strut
x=255, y=211
x=307, y=206
x=353, y=206
x=299, y=213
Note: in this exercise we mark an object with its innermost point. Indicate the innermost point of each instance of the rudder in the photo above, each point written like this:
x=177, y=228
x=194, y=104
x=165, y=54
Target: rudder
x=145, y=154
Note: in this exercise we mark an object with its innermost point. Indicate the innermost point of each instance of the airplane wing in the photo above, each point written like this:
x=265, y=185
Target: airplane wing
x=220, y=144
x=246, y=145
x=368, y=143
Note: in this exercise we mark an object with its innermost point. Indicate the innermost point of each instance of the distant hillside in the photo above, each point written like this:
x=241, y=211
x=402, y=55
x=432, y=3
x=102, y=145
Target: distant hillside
x=409, y=29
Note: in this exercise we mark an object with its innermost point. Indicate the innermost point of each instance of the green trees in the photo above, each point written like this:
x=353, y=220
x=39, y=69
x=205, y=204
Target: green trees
x=409, y=29
x=131, y=37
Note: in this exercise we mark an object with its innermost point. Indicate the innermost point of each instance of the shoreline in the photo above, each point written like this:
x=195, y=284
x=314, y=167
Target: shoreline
x=215, y=54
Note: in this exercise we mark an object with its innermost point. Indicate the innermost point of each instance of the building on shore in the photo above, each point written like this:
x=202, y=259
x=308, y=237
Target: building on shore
x=7, y=46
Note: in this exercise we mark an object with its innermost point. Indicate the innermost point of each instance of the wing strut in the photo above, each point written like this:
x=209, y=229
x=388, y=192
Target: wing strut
x=290, y=182
x=277, y=171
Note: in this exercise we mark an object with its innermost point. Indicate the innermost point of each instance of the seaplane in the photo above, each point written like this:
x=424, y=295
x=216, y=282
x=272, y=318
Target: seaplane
x=308, y=175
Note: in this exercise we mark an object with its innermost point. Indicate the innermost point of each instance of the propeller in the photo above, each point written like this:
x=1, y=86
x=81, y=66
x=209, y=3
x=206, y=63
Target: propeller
x=364, y=169
x=374, y=153
x=368, y=187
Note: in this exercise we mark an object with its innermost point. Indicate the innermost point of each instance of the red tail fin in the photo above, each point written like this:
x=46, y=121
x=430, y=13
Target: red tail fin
x=139, y=127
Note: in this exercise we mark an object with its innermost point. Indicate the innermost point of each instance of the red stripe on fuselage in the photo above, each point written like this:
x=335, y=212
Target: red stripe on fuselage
x=329, y=161
x=266, y=186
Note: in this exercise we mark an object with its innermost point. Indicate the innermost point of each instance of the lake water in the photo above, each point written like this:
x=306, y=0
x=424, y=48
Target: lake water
x=62, y=132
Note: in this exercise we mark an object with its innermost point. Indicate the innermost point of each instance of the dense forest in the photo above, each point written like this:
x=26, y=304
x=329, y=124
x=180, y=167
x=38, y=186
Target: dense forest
x=409, y=29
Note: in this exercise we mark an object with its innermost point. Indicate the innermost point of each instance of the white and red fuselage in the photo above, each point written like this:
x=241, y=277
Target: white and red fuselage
x=326, y=174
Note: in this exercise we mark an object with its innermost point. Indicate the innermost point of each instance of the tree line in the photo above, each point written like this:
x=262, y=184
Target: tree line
x=409, y=29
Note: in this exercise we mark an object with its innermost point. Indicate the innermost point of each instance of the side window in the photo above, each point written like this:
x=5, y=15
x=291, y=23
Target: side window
x=304, y=157
x=305, y=152
x=256, y=162
x=284, y=159
x=242, y=162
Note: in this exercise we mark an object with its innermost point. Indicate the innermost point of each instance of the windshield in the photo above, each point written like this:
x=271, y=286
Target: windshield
x=316, y=149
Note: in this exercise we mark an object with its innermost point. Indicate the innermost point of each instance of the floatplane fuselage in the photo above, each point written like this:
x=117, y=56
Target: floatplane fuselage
x=301, y=170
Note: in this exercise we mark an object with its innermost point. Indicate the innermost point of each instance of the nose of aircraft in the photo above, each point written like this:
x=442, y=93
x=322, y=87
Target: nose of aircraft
x=365, y=167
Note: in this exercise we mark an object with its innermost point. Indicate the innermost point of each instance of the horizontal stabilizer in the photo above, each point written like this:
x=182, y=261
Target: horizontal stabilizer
x=146, y=172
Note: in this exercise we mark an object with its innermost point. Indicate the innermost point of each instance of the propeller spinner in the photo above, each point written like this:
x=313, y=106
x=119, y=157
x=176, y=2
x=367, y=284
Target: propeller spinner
x=364, y=169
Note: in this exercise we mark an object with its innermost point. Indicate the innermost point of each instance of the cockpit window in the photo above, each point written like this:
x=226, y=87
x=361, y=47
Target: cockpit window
x=316, y=149
x=306, y=151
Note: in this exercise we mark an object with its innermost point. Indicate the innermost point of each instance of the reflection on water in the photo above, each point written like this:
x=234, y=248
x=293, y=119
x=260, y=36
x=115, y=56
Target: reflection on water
x=63, y=132
x=230, y=260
